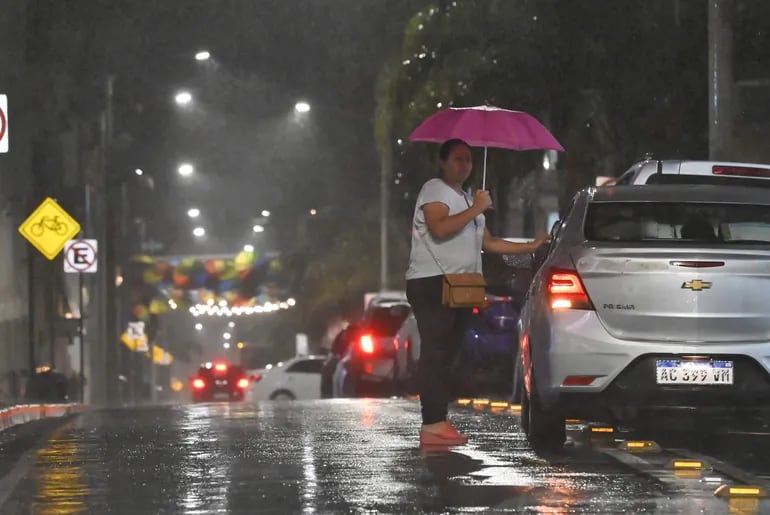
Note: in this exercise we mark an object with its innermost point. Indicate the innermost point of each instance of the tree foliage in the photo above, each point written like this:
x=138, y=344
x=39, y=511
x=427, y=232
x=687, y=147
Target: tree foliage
x=612, y=80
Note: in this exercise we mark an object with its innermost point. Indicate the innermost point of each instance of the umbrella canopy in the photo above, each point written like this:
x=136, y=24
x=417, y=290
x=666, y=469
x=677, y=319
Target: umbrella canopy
x=486, y=126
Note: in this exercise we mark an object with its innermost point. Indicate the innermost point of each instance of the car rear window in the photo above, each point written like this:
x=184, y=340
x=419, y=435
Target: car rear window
x=668, y=178
x=386, y=321
x=230, y=371
x=681, y=222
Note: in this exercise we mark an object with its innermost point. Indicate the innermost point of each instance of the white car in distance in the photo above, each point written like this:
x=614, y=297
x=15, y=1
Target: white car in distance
x=297, y=379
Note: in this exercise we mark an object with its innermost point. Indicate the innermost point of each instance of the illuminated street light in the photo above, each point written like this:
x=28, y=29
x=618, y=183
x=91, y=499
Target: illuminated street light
x=241, y=345
x=139, y=172
x=199, y=327
x=194, y=213
x=231, y=325
x=199, y=232
x=258, y=228
x=183, y=98
x=226, y=336
x=248, y=248
x=186, y=169
x=313, y=212
x=203, y=55
x=226, y=345
x=265, y=213
x=302, y=107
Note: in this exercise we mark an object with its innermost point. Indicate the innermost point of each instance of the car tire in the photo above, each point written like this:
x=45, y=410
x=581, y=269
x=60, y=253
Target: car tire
x=517, y=391
x=282, y=395
x=545, y=428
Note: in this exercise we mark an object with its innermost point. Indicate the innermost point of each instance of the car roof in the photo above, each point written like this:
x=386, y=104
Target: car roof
x=680, y=193
x=644, y=169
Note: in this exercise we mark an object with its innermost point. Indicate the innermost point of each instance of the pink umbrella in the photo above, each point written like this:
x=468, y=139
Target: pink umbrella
x=487, y=126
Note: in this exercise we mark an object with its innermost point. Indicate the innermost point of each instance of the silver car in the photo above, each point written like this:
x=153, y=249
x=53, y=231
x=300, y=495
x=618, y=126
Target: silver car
x=650, y=297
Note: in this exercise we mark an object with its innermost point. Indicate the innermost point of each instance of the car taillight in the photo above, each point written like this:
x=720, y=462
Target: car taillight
x=256, y=378
x=220, y=367
x=566, y=291
x=243, y=383
x=199, y=384
x=367, y=344
x=745, y=171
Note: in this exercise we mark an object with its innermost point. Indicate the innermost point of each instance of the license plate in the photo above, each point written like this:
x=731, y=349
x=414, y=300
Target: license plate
x=684, y=372
x=221, y=396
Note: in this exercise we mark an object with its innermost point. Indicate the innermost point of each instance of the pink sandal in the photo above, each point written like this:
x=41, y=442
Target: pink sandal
x=447, y=436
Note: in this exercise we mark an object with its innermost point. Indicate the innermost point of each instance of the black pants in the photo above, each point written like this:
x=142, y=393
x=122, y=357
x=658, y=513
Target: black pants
x=441, y=332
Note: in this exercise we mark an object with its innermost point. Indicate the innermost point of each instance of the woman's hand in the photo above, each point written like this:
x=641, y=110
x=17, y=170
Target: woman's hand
x=482, y=200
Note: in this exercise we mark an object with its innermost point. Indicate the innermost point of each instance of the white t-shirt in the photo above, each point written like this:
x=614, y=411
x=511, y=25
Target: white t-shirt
x=459, y=254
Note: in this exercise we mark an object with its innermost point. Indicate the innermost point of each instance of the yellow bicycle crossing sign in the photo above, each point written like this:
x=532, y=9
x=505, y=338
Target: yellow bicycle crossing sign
x=49, y=228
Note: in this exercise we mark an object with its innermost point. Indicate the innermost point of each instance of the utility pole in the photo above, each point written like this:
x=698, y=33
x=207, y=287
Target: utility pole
x=721, y=86
x=386, y=165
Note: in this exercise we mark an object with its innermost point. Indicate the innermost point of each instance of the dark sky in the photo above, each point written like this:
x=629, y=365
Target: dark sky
x=242, y=135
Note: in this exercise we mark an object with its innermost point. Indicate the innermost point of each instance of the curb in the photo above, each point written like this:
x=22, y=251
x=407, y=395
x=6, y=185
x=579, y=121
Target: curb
x=21, y=414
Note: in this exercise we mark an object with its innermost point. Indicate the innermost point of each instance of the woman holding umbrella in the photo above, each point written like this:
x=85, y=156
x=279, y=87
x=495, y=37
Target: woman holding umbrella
x=448, y=234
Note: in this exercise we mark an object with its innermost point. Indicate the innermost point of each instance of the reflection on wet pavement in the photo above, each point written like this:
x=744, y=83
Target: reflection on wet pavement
x=324, y=456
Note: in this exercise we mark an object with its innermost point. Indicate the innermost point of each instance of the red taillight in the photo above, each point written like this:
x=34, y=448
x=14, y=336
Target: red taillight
x=578, y=380
x=199, y=384
x=566, y=291
x=367, y=344
x=256, y=378
x=745, y=171
x=220, y=367
x=476, y=311
x=243, y=383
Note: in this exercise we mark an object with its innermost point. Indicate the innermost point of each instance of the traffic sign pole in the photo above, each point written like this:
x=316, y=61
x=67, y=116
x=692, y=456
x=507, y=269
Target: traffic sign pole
x=81, y=374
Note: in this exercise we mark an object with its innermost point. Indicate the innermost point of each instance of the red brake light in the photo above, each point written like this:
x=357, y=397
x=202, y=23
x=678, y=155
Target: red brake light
x=220, y=367
x=745, y=171
x=579, y=380
x=199, y=383
x=243, y=383
x=476, y=311
x=566, y=291
x=367, y=344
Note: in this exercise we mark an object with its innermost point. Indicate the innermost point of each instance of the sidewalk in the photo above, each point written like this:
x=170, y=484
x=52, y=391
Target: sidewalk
x=20, y=414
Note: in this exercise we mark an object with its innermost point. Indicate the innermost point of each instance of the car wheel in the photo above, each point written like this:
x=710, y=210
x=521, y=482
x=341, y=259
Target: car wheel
x=524, y=409
x=544, y=428
x=282, y=396
x=517, y=396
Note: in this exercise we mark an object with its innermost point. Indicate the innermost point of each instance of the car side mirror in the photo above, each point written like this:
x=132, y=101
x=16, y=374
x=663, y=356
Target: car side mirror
x=555, y=228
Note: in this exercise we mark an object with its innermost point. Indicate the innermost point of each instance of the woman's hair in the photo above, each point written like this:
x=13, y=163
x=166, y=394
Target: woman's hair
x=447, y=147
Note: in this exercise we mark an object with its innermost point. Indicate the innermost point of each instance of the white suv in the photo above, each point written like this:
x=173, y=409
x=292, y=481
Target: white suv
x=695, y=172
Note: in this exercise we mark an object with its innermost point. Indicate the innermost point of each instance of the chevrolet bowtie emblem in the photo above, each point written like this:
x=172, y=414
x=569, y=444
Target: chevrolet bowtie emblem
x=696, y=285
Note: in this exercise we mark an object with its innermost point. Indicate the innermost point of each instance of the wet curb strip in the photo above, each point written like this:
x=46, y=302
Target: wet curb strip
x=21, y=414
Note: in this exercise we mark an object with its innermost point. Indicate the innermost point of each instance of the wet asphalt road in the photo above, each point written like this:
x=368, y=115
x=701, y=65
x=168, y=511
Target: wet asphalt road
x=343, y=456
